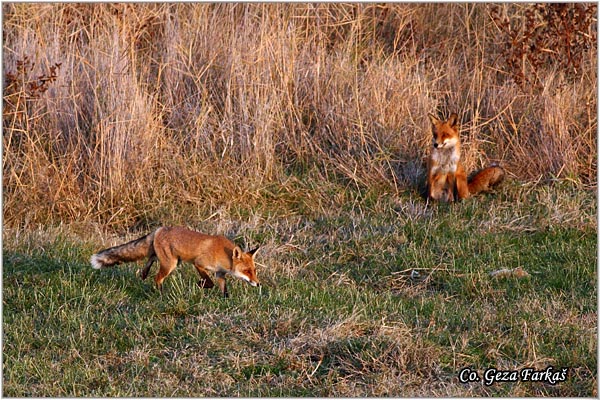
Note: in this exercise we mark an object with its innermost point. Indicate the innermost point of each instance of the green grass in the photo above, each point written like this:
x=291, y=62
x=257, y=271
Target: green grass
x=338, y=314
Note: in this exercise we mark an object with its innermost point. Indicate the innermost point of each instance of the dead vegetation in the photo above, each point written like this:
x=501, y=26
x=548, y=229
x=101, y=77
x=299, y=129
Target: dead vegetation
x=122, y=113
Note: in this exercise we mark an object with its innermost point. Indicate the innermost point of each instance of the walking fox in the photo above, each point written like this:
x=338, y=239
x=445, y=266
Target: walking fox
x=446, y=176
x=171, y=245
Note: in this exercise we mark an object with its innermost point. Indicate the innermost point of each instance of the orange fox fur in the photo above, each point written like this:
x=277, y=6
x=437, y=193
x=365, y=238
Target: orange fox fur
x=446, y=176
x=171, y=245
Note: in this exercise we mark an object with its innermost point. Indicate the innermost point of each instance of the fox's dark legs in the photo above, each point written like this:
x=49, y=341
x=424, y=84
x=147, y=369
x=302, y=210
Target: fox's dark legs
x=146, y=270
x=205, y=281
x=222, y=285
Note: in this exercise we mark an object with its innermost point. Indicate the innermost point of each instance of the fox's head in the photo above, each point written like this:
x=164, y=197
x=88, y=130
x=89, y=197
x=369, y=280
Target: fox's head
x=243, y=266
x=445, y=133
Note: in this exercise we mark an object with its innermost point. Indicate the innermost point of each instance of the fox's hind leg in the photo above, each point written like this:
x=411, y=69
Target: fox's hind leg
x=462, y=188
x=167, y=264
x=144, y=273
x=461, y=183
x=164, y=271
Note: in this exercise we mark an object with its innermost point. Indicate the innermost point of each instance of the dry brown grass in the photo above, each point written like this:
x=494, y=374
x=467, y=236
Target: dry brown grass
x=155, y=107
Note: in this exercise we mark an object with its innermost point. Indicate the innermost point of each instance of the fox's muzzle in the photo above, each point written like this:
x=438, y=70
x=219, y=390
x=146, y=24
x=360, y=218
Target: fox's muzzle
x=246, y=279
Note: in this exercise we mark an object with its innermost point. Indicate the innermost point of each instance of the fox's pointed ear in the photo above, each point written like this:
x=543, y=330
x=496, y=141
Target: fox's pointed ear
x=433, y=119
x=453, y=120
x=237, y=252
x=253, y=251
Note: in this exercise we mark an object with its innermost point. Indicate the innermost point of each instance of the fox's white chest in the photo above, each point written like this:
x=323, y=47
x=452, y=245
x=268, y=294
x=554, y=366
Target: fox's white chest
x=444, y=161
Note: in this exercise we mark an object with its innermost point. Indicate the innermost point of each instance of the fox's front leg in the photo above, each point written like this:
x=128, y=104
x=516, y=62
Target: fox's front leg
x=447, y=195
x=441, y=188
x=205, y=281
x=436, y=186
x=222, y=284
x=449, y=188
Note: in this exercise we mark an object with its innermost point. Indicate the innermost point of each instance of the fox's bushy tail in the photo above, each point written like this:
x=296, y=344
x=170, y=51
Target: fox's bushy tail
x=486, y=179
x=130, y=251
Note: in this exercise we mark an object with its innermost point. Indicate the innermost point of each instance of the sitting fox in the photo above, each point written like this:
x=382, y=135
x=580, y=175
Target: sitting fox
x=446, y=176
x=173, y=244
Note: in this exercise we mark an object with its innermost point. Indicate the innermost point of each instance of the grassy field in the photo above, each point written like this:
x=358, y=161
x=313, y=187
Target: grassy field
x=302, y=128
x=338, y=315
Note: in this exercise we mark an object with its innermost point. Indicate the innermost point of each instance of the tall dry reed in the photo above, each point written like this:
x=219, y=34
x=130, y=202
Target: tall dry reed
x=124, y=113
